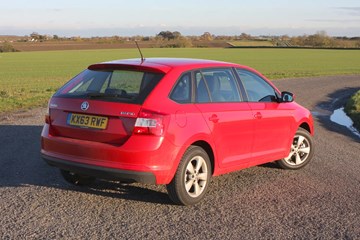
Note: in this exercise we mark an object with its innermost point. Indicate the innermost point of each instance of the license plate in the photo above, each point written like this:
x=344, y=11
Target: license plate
x=88, y=121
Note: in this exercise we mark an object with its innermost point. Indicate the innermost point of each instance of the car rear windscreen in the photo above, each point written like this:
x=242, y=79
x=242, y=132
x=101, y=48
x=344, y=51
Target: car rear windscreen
x=111, y=85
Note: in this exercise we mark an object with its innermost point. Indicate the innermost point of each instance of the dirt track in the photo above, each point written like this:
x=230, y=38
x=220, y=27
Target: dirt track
x=320, y=201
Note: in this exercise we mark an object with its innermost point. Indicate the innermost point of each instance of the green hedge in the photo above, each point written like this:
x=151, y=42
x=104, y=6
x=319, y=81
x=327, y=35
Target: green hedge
x=352, y=109
x=7, y=47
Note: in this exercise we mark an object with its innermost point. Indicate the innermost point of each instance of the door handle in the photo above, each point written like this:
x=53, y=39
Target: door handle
x=258, y=115
x=214, y=118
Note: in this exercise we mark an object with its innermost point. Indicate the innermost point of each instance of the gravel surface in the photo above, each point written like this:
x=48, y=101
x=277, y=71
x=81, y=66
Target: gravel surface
x=320, y=201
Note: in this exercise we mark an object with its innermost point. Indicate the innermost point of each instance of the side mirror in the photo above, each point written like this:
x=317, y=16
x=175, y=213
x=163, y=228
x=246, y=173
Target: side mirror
x=287, y=97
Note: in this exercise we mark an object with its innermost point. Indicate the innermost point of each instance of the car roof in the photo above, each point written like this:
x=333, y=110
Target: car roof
x=160, y=64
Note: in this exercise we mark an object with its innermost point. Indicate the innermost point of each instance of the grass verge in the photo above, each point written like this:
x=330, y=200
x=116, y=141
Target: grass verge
x=352, y=109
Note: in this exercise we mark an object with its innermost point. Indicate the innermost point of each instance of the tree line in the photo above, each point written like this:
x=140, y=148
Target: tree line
x=175, y=39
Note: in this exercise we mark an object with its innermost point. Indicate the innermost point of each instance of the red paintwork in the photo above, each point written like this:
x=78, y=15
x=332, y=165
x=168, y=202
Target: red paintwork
x=240, y=134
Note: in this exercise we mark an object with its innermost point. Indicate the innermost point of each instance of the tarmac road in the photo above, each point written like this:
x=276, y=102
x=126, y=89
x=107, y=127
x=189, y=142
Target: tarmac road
x=320, y=201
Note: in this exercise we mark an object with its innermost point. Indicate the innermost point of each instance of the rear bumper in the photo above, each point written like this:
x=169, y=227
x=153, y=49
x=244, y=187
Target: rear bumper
x=100, y=172
x=142, y=159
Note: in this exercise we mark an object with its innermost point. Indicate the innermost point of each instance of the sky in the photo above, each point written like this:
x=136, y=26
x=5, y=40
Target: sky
x=89, y=18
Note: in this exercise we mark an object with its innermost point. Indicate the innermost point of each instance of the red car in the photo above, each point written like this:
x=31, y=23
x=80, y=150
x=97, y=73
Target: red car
x=172, y=121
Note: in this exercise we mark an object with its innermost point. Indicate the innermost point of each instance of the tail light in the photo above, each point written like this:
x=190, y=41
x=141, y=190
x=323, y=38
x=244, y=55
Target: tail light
x=47, y=115
x=47, y=118
x=149, y=123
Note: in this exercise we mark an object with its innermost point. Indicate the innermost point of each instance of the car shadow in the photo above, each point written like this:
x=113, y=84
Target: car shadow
x=21, y=165
x=324, y=109
x=272, y=165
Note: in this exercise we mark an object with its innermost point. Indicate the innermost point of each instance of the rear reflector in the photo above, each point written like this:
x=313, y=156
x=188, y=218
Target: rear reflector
x=149, y=123
x=47, y=118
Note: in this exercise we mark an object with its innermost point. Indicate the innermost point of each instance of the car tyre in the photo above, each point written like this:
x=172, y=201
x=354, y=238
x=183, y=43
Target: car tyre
x=77, y=179
x=192, y=177
x=301, y=151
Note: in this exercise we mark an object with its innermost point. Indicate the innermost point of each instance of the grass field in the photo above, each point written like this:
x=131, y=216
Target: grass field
x=28, y=79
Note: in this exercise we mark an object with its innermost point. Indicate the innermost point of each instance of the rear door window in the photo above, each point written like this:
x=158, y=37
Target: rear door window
x=216, y=85
x=116, y=85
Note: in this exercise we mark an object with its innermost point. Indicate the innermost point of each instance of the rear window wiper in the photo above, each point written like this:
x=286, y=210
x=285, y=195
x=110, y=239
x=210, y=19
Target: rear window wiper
x=102, y=95
x=108, y=95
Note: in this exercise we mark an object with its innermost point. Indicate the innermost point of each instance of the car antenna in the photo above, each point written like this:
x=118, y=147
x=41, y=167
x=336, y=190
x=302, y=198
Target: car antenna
x=142, y=57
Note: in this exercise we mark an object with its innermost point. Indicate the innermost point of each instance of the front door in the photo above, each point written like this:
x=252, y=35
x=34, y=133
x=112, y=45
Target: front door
x=273, y=120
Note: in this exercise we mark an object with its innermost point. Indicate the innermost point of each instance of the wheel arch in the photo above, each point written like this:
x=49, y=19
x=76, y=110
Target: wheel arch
x=200, y=140
x=305, y=126
x=208, y=149
x=305, y=122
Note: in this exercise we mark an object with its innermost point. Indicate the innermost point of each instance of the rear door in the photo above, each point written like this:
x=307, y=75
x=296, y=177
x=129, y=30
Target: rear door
x=229, y=118
x=100, y=106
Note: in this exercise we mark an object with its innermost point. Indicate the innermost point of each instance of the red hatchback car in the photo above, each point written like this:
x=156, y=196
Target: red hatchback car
x=172, y=121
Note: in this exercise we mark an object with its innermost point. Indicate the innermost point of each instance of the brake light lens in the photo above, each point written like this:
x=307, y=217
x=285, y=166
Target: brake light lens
x=149, y=123
x=47, y=118
x=47, y=114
